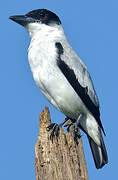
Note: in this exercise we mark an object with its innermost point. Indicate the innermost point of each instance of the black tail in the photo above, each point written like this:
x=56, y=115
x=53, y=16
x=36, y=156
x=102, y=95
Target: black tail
x=99, y=152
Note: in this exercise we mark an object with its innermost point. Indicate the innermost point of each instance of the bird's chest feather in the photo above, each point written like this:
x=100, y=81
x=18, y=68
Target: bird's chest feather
x=42, y=60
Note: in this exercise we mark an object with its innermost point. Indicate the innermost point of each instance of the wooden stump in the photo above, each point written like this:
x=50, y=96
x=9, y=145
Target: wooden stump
x=60, y=160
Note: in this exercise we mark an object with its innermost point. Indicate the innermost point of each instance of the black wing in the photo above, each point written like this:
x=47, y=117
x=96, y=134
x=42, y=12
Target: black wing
x=81, y=91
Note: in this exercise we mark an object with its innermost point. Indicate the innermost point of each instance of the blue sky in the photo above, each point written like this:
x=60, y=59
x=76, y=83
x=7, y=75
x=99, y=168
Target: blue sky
x=92, y=30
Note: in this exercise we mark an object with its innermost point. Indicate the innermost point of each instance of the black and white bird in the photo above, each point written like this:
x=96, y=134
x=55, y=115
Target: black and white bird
x=63, y=78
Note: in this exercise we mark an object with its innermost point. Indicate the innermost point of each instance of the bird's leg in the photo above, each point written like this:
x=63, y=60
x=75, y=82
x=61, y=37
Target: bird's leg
x=55, y=128
x=75, y=125
x=68, y=125
x=76, y=135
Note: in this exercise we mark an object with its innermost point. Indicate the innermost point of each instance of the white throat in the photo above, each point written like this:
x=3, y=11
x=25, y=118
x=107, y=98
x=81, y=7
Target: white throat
x=42, y=46
x=42, y=30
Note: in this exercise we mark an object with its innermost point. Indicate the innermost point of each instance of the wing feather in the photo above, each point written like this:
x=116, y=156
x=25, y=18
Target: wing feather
x=77, y=75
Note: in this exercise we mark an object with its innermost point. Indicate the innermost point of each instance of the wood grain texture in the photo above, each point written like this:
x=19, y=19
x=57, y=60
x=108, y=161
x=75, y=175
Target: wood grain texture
x=60, y=160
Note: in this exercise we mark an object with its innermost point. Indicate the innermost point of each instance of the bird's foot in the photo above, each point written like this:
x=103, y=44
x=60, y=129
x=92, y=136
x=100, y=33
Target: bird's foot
x=54, y=128
x=76, y=133
x=75, y=130
x=68, y=125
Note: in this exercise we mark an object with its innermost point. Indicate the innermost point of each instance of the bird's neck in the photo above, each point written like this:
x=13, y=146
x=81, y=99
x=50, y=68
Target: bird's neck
x=42, y=32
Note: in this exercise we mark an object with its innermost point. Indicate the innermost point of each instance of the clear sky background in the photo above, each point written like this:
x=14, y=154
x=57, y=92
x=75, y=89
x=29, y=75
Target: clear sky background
x=92, y=30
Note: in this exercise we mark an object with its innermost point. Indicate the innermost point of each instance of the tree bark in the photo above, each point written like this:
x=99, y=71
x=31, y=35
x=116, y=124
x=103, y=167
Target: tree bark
x=60, y=160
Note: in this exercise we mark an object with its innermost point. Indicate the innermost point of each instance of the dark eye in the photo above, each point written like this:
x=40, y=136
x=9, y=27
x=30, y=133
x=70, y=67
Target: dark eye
x=42, y=15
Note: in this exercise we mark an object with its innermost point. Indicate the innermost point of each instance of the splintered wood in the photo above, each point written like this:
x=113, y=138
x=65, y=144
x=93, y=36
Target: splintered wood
x=60, y=160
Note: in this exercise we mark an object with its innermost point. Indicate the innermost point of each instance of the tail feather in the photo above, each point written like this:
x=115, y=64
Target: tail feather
x=99, y=152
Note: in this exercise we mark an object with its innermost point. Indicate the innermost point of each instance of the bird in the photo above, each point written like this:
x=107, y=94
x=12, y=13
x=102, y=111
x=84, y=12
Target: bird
x=63, y=79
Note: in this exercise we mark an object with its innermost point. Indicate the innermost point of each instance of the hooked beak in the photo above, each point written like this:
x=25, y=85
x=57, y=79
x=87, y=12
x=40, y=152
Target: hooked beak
x=22, y=19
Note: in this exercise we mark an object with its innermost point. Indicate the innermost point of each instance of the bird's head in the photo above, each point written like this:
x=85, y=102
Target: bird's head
x=35, y=20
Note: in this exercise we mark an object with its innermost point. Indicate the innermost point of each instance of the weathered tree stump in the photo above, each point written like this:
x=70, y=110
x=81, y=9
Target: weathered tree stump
x=60, y=160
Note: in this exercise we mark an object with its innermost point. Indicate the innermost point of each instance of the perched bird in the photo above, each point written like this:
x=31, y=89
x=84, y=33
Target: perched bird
x=63, y=78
